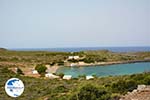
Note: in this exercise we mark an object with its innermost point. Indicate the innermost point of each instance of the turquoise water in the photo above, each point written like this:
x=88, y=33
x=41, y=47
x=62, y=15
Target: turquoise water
x=118, y=69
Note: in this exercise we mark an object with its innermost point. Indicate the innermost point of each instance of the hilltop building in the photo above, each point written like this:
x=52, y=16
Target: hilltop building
x=73, y=57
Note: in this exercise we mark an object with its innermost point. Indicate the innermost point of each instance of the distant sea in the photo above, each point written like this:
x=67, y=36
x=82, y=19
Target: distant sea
x=77, y=49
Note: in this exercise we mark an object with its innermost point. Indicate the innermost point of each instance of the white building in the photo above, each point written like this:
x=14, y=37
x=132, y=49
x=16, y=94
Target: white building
x=73, y=64
x=73, y=57
x=70, y=57
x=50, y=75
x=76, y=57
x=34, y=72
x=67, y=77
x=89, y=77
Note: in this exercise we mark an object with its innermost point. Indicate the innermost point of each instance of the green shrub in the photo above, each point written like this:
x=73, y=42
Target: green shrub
x=147, y=80
x=60, y=63
x=90, y=92
x=122, y=86
x=41, y=69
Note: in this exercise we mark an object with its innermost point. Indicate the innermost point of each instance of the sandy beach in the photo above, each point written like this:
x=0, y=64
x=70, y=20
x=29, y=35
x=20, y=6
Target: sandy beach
x=53, y=69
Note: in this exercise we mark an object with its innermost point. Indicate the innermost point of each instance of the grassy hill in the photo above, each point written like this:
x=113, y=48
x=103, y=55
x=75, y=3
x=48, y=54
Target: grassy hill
x=36, y=57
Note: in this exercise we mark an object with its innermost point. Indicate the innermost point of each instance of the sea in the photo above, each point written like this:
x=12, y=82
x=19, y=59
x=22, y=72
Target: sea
x=77, y=49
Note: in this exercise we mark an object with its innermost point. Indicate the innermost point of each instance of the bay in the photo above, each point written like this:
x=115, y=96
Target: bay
x=107, y=70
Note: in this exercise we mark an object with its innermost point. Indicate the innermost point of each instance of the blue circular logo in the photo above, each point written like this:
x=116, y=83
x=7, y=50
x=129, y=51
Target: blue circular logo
x=14, y=87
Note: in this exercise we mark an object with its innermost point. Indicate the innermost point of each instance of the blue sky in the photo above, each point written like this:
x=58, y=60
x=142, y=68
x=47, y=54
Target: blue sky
x=74, y=23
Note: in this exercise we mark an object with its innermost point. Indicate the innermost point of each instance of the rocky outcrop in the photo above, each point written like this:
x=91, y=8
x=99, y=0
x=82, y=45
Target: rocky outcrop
x=141, y=93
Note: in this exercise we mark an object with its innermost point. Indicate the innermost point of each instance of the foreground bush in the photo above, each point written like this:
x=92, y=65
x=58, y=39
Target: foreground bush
x=90, y=92
x=106, y=88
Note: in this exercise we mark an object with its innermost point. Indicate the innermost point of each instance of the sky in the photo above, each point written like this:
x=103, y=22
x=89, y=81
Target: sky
x=74, y=23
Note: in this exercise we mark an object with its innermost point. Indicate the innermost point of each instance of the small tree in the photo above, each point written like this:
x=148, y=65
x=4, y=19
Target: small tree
x=41, y=69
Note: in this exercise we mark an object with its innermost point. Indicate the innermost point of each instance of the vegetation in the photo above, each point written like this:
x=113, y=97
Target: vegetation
x=105, y=88
x=60, y=63
x=52, y=58
x=40, y=68
x=91, y=92
x=32, y=57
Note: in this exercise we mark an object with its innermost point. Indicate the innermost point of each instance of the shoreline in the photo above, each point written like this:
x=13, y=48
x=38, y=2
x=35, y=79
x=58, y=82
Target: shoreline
x=109, y=63
x=55, y=68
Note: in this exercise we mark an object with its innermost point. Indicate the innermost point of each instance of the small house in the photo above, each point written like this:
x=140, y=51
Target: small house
x=89, y=77
x=67, y=77
x=50, y=75
x=76, y=57
x=70, y=57
x=73, y=57
x=34, y=72
x=73, y=64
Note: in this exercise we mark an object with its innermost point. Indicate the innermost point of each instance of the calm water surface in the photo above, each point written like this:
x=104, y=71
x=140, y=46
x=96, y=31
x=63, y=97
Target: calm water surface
x=77, y=49
x=118, y=69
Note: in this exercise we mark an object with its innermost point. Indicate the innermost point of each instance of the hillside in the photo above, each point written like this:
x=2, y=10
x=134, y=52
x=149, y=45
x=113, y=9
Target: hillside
x=107, y=88
x=44, y=57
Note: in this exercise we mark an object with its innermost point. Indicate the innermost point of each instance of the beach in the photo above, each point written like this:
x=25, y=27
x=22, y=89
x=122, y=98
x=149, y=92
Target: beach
x=53, y=69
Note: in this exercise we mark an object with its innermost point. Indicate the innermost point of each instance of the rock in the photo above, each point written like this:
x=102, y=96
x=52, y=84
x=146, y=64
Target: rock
x=141, y=93
x=141, y=87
